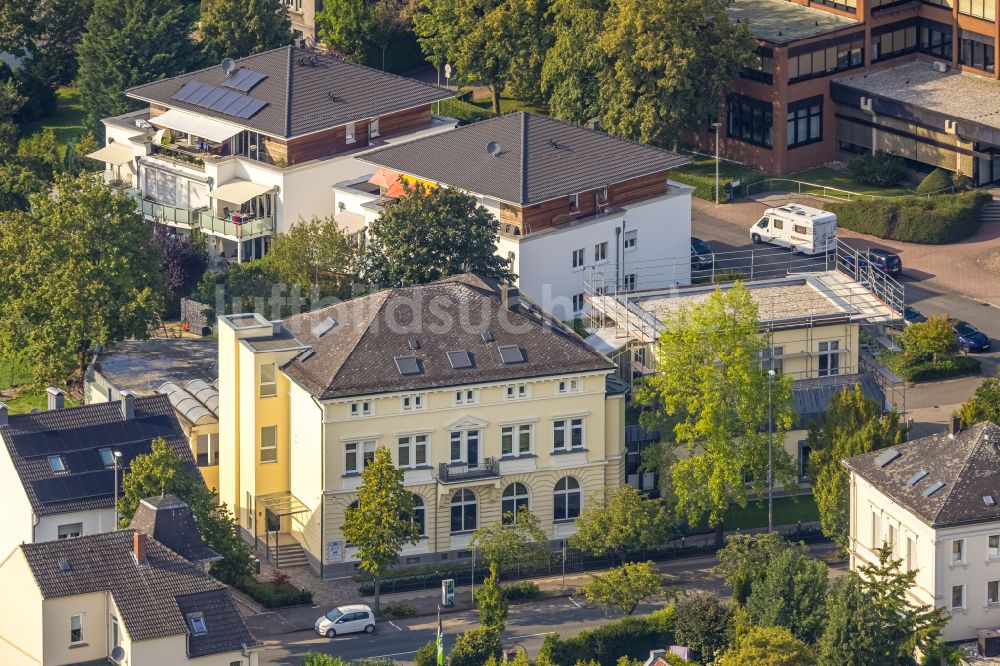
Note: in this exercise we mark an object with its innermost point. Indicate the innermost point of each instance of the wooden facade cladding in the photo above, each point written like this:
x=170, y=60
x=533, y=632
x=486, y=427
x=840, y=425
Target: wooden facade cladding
x=333, y=141
x=401, y=122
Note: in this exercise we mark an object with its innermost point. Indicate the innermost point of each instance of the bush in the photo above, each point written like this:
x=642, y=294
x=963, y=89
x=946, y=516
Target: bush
x=399, y=610
x=426, y=655
x=927, y=370
x=321, y=659
x=880, y=169
x=942, y=219
x=935, y=182
x=703, y=624
x=631, y=637
x=271, y=595
x=524, y=589
x=475, y=647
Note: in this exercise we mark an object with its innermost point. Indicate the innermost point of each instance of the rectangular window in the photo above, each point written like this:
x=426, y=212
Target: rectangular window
x=466, y=397
x=567, y=434
x=602, y=195
x=269, y=444
x=412, y=403
x=70, y=531
x=515, y=440
x=958, y=551
x=993, y=546
x=984, y=9
x=107, y=457
x=829, y=358
x=412, y=451
x=359, y=454
x=578, y=258
x=631, y=239
x=935, y=39
x=894, y=40
x=373, y=129
x=773, y=358
x=574, y=201
x=350, y=137
x=57, y=464
x=578, y=302
x=957, y=597
x=75, y=629
x=876, y=530
x=805, y=122
x=911, y=555
x=569, y=386
x=976, y=51
x=363, y=408
x=601, y=252
x=629, y=282
x=993, y=592
x=517, y=392
x=208, y=450
x=465, y=447
x=749, y=119
x=268, y=381
x=762, y=67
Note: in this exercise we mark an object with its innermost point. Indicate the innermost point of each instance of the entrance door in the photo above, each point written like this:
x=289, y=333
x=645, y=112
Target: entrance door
x=272, y=521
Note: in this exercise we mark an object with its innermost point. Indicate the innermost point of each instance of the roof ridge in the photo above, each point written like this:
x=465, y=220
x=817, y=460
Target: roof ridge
x=202, y=69
x=522, y=185
x=951, y=486
x=288, y=93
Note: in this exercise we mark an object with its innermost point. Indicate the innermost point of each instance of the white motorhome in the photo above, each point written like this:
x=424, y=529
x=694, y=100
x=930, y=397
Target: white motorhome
x=800, y=228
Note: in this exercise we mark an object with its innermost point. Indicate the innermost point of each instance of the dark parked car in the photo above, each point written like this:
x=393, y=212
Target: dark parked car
x=701, y=254
x=912, y=316
x=970, y=338
x=879, y=259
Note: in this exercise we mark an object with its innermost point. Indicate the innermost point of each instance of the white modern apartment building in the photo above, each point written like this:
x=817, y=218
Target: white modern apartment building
x=244, y=150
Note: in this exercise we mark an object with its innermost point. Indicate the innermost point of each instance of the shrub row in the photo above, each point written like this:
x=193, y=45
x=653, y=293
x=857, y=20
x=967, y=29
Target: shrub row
x=274, y=596
x=399, y=610
x=880, y=169
x=522, y=589
x=632, y=637
x=932, y=220
x=926, y=370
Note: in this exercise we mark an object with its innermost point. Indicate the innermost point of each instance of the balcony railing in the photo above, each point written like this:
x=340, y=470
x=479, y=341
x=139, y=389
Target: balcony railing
x=451, y=473
x=260, y=226
x=173, y=215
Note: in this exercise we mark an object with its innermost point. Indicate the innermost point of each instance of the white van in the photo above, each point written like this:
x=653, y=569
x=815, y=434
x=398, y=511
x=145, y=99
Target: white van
x=800, y=228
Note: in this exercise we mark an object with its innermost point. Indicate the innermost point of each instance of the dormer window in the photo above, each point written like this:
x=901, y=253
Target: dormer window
x=58, y=464
x=197, y=623
x=107, y=456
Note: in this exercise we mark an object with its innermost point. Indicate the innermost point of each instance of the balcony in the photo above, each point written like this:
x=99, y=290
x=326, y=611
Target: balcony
x=452, y=473
x=235, y=230
x=164, y=214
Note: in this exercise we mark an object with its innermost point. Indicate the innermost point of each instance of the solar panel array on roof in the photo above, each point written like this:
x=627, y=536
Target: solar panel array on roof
x=511, y=354
x=244, y=79
x=74, y=487
x=216, y=99
x=460, y=359
x=48, y=442
x=407, y=365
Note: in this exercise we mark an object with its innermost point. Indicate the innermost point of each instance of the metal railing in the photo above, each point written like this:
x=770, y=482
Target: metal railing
x=260, y=226
x=488, y=469
x=163, y=213
x=802, y=187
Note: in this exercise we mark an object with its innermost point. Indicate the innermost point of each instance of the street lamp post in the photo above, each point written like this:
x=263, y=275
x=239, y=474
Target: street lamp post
x=716, y=127
x=118, y=458
x=770, y=439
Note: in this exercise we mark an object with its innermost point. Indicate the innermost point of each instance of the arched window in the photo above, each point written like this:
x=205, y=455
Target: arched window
x=515, y=498
x=567, y=499
x=463, y=511
x=419, y=515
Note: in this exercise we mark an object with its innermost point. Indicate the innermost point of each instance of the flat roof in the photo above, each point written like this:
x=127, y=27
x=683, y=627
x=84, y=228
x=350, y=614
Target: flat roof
x=142, y=366
x=774, y=301
x=782, y=21
x=951, y=93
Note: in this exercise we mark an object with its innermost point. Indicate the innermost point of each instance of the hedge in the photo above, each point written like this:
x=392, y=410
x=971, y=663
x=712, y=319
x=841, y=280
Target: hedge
x=935, y=220
x=928, y=370
x=631, y=636
x=935, y=182
x=274, y=596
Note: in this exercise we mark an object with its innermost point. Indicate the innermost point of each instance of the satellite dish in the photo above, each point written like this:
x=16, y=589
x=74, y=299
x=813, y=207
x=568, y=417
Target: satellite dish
x=493, y=148
x=228, y=66
x=118, y=653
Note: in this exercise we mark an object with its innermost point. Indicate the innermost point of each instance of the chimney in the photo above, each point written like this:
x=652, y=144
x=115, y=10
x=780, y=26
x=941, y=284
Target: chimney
x=277, y=327
x=57, y=399
x=128, y=405
x=139, y=548
x=4, y=411
x=510, y=296
x=594, y=124
x=955, y=425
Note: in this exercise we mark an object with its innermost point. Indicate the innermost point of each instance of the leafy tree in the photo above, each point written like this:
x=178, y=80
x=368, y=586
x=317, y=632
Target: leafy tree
x=128, y=42
x=323, y=659
x=346, y=26
x=39, y=153
x=163, y=472
x=475, y=647
x=703, y=623
x=870, y=619
x=430, y=234
x=625, y=522
x=984, y=405
x=931, y=339
x=15, y=27
x=11, y=101
x=518, y=541
x=790, y=593
x=184, y=261
x=436, y=26
x=75, y=161
x=486, y=51
x=315, y=256
x=769, y=646
x=79, y=272
x=381, y=525
x=492, y=603
x=711, y=390
x=939, y=654
x=569, y=76
x=672, y=64
x=238, y=28
x=625, y=587
x=530, y=35
x=28, y=170
x=744, y=559
x=426, y=655
x=852, y=425
x=58, y=27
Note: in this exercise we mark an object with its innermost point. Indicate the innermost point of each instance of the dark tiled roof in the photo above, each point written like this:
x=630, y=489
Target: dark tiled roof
x=356, y=356
x=77, y=433
x=169, y=520
x=540, y=158
x=968, y=464
x=225, y=629
x=148, y=597
x=303, y=98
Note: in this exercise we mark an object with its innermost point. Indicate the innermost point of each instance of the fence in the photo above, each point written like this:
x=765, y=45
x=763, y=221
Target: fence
x=816, y=189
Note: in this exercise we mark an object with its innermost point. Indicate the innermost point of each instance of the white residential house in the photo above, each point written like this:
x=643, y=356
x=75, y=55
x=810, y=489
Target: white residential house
x=571, y=201
x=936, y=500
x=244, y=150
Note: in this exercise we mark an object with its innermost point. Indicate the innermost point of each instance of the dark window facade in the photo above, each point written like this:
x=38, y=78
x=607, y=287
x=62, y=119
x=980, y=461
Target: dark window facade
x=977, y=52
x=842, y=5
x=762, y=67
x=835, y=55
x=948, y=4
x=894, y=40
x=805, y=122
x=749, y=119
x=935, y=39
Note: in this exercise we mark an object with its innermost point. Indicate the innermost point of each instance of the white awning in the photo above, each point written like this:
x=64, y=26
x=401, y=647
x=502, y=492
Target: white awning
x=203, y=126
x=113, y=153
x=238, y=191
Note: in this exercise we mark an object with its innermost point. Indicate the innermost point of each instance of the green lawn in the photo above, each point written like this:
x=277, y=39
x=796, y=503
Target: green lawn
x=470, y=112
x=701, y=175
x=14, y=372
x=843, y=181
x=67, y=122
x=787, y=511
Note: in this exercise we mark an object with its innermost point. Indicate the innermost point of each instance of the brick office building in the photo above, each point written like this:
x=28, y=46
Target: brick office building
x=911, y=77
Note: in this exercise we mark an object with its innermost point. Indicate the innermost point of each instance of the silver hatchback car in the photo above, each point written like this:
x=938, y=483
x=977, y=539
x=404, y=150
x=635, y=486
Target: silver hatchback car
x=346, y=620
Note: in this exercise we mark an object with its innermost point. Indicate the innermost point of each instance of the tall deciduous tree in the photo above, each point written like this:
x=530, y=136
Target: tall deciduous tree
x=625, y=587
x=430, y=234
x=491, y=602
x=128, y=42
x=238, y=28
x=984, y=405
x=436, y=26
x=316, y=256
x=929, y=339
x=712, y=389
x=59, y=26
x=79, y=271
x=852, y=425
x=518, y=541
x=530, y=33
x=672, y=63
x=485, y=50
x=382, y=523
x=575, y=60
x=626, y=522
x=790, y=593
x=769, y=646
x=346, y=26
x=703, y=623
x=746, y=557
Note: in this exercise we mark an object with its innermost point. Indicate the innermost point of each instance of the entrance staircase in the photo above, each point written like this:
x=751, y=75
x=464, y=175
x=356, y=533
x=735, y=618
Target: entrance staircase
x=286, y=553
x=990, y=212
